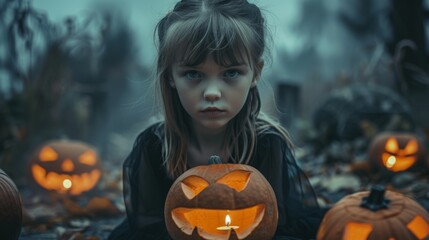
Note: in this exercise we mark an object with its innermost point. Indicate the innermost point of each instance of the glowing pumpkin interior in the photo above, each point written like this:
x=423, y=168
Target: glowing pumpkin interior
x=66, y=167
x=218, y=222
x=361, y=231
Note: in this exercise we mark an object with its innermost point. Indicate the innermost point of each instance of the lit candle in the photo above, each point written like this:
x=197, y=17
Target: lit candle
x=391, y=161
x=67, y=183
x=227, y=223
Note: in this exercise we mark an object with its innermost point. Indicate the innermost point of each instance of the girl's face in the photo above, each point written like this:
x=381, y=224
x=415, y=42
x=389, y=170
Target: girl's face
x=212, y=94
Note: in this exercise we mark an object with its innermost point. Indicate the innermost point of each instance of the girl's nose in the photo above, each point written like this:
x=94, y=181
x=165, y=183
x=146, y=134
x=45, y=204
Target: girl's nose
x=212, y=93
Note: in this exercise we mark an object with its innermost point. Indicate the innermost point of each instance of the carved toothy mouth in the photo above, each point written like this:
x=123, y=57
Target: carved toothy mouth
x=207, y=220
x=54, y=181
x=397, y=163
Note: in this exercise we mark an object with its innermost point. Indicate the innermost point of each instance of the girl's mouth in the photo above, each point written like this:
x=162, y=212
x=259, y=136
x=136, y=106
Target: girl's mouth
x=213, y=112
x=212, y=109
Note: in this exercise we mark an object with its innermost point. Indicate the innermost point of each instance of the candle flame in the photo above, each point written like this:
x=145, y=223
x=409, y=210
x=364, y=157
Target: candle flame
x=67, y=183
x=227, y=220
x=391, y=161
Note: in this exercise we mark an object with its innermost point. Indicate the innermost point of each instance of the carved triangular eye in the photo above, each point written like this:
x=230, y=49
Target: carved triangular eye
x=193, y=185
x=47, y=154
x=89, y=158
x=237, y=179
x=411, y=147
x=357, y=231
x=419, y=227
x=392, y=145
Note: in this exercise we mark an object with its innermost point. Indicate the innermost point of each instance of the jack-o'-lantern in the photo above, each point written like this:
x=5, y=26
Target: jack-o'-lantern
x=66, y=166
x=10, y=208
x=221, y=201
x=375, y=215
x=396, y=151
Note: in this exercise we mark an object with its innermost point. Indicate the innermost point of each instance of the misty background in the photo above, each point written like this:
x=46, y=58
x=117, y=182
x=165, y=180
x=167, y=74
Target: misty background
x=84, y=69
x=310, y=39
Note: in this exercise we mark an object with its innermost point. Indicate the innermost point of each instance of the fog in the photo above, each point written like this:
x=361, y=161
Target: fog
x=315, y=46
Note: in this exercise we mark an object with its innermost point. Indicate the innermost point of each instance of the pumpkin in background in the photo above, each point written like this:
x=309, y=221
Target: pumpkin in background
x=66, y=166
x=10, y=208
x=375, y=215
x=396, y=151
x=221, y=200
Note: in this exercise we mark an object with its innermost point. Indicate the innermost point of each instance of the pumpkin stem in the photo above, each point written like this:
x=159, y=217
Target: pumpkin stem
x=215, y=160
x=376, y=200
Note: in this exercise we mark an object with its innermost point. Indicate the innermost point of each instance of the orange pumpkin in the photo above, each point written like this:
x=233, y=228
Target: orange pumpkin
x=66, y=166
x=396, y=151
x=221, y=200
x=10, y=208
x=375, y=215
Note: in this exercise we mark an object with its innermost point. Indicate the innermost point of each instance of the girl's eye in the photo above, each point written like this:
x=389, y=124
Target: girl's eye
x=231, y=74
x=193, y=75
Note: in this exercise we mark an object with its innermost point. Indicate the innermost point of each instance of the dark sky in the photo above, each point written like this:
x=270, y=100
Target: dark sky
x=143, y=15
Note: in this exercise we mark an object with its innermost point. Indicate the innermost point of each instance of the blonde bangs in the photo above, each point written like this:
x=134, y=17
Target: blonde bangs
x=228, y=40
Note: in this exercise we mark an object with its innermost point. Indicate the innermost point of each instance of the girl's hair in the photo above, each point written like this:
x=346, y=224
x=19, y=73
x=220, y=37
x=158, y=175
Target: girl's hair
x=232, y=31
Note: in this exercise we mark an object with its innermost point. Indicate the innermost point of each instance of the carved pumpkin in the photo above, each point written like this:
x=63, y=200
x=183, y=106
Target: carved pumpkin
x=66, y=166
x=10, y=208
x=375, y=215
x=220, y=201
x=396, y=151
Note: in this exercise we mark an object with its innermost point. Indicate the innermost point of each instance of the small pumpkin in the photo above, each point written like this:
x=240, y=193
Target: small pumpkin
x=375, y=215
x=396, y=151
x=10, y=208
x=220, y=200
x=66, y=166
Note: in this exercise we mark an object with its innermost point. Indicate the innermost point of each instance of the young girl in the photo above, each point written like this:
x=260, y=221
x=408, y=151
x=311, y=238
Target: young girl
x=209, y=63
